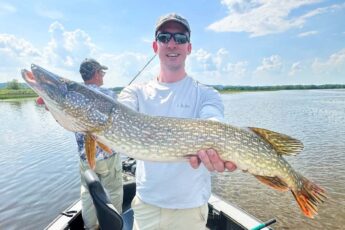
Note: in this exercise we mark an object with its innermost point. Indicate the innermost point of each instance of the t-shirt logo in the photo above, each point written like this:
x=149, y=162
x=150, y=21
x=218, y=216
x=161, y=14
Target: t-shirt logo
x=183, y=106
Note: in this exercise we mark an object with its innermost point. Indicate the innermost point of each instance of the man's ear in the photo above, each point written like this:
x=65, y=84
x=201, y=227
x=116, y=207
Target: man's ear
x=155, y=46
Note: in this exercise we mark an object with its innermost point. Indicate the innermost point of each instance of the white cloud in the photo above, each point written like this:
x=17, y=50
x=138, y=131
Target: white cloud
x=16, y=47
x=238, y=70
x=63, y=54
x=262, y=17
x=66, y=49
x=308, y=33
x=334, y=65
x=295, y=68
x=201, y=60
x=323, y=10
x=15, y=53
x=123, y=67
x=216, y=68
x=272, y=64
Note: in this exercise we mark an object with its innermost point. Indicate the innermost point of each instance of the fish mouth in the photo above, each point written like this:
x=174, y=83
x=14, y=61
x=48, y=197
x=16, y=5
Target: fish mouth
x=31, y=80
x=28, y=76
x=44, y=83
x=42, y=76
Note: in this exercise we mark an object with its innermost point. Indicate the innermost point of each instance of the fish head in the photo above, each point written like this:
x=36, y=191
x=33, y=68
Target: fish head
x=74, y=106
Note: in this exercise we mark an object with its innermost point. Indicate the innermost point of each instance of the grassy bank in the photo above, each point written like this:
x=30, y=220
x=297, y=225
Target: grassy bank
x=18, y=93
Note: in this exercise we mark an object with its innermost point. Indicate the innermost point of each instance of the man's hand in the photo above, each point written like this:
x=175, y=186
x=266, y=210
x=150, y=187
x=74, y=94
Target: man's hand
x=211, y=160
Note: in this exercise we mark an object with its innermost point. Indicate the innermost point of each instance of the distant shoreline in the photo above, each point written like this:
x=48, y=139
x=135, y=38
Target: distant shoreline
x=27, y=92
x=18, y=93
x=222, y=88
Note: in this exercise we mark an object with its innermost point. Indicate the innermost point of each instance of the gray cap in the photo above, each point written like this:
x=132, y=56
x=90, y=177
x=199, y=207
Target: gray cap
x=90, y=65
x=172, y=17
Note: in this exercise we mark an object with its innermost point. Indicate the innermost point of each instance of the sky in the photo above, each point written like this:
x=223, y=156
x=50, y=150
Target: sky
x=234, y=42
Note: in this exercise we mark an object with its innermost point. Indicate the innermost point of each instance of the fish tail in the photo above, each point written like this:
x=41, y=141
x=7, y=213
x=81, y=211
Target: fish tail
x=309, y=196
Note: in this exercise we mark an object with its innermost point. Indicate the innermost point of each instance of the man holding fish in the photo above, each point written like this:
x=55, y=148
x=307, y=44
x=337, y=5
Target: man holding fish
x=174, y=195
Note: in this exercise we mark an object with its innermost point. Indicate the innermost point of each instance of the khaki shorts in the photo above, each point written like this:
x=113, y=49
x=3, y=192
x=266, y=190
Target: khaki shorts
x=109, y=172
x=149, y=217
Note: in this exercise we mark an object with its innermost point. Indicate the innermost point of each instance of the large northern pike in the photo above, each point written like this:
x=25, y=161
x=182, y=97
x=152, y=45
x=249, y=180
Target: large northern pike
x=260, y=152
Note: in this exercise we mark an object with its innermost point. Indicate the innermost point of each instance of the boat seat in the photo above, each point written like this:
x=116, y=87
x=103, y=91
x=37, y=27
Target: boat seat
x=129, y=189
x=108, y=216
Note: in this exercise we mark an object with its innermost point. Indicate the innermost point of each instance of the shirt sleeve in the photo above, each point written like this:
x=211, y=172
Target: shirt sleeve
x=129, y=98
x=212, y=107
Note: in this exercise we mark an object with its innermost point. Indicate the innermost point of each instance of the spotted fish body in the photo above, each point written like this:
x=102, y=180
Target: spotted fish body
x=106, y=122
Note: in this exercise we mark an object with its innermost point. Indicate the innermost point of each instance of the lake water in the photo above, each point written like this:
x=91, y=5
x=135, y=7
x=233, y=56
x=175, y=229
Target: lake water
x=39, y=164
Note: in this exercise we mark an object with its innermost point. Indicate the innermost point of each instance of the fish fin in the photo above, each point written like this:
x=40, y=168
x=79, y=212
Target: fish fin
x=308, y=197
x=273, y=182
x=283, y=144
x=104, y=147
x=90, y=149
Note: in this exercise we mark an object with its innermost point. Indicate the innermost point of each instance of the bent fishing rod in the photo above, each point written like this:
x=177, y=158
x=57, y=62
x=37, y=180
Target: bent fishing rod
x=142, y=69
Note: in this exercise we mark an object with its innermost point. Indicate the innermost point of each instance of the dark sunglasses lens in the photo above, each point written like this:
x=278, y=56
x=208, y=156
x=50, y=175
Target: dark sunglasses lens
x=180, y=38
x=163, y=37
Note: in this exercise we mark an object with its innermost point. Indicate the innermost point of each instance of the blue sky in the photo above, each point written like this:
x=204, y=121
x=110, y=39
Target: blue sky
x=235, y=42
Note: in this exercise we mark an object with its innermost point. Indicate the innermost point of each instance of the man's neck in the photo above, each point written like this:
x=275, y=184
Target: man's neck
x=171, y=76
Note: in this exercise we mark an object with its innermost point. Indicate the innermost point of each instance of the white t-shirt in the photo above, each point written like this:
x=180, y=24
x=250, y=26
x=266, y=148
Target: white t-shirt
x=173, y=185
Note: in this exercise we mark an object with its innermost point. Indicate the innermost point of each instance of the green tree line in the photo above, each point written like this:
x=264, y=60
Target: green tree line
x=222, y=88
x=14, y=84
x=14, y=89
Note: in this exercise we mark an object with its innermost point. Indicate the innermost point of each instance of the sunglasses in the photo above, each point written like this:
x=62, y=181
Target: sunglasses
x=179, y=38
